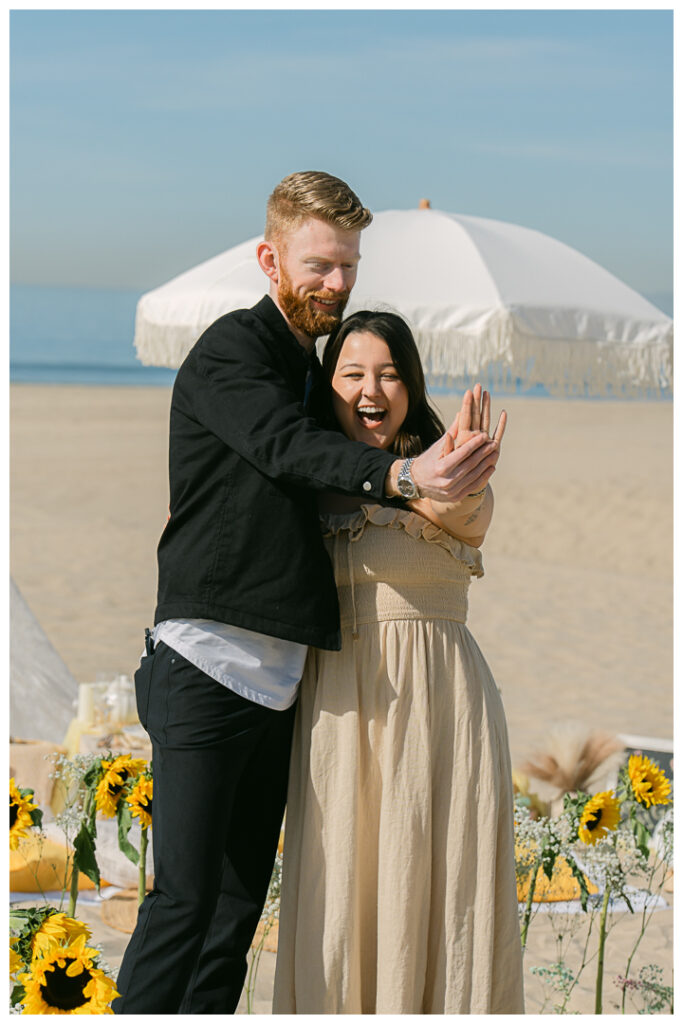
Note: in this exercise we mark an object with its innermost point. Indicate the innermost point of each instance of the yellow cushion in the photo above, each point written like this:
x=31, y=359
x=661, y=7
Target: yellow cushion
x=562, y=886
x=41, y=866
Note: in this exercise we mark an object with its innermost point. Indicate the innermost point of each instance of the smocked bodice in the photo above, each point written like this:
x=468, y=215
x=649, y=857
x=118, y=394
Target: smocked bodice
x=394, y=564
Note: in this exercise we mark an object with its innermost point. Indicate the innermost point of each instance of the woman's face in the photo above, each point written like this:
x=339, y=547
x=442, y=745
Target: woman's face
x=369, y=398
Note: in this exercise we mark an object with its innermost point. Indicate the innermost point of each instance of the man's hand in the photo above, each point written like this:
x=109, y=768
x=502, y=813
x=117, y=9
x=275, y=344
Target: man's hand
x=449, y=476
x=474, y=416
x=462, y=461
x=473, y=419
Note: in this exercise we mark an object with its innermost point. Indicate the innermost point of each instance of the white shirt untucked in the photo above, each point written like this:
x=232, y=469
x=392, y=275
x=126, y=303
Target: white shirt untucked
x=263, y=669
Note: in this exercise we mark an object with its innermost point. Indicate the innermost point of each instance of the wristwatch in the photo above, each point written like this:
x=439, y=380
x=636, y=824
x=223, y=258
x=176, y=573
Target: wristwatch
x=405, y=483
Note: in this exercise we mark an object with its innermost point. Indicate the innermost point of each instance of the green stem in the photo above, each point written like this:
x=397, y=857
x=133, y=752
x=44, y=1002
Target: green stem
x=529, y=903
x=75, y=871
x=142, y=869
x=584, y=961
x=73, y=891
x=644, y=921
x=253, y=970
x=65, y=880
x=601, y=950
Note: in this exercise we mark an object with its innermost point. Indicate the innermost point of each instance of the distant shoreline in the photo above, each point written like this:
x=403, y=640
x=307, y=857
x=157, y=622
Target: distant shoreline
x=89, y=376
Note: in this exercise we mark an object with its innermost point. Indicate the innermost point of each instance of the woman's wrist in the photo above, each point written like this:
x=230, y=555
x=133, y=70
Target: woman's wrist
x=465, y=507
x=391, y=482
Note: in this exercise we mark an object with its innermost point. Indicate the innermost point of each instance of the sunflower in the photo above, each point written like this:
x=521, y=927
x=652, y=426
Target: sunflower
x=57, y=930
x=15, y=961
x=66, y=980
x=650, y=784
x=600, y=816
x=140, y=800
x=21, y=811
x=116, y=775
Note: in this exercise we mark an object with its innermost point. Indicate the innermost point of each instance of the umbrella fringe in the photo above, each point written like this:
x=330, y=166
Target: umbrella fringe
x=503, y=355
x=510, y=360
x=164, y=344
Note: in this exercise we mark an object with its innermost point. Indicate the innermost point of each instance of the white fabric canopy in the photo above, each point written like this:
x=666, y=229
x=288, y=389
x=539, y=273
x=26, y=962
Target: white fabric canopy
x=43, y=693
x=481, y=296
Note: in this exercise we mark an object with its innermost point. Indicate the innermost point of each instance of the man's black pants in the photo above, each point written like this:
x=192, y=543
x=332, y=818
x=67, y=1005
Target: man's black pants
x=220, y=783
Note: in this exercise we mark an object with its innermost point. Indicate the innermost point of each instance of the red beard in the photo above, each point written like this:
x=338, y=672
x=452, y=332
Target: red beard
x=312, y=322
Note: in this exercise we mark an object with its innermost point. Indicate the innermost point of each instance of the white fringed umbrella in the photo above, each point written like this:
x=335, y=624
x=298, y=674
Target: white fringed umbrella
x=484, y=298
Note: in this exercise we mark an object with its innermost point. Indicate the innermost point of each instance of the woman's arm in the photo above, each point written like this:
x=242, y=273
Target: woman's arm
x=468, y=519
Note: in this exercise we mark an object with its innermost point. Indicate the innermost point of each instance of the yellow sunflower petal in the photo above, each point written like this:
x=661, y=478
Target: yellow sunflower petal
x=649, y=782
x=600, y=816
x=58, y=929
x=15, y=961
x=140, y=801
x=65, y=981
x=20, y=818
x=110, y=786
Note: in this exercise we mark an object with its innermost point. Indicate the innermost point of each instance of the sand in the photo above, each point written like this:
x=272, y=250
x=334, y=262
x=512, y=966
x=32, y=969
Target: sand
x=574, y=613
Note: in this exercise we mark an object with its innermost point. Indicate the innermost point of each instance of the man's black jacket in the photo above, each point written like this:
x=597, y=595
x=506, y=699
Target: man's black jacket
x=243, y=543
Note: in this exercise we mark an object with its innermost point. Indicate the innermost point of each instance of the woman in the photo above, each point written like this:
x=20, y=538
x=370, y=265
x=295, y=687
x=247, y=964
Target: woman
x=399, y=888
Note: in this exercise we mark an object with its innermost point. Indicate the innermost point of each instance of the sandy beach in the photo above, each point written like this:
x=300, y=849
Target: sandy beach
x=574, y=613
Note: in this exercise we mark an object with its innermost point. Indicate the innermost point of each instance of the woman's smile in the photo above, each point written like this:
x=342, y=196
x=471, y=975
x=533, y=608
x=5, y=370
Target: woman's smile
x=369, y=398
x=370, y=415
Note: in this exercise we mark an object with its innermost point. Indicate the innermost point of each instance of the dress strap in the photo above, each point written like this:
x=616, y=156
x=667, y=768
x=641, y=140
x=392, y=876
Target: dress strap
x=340, y=538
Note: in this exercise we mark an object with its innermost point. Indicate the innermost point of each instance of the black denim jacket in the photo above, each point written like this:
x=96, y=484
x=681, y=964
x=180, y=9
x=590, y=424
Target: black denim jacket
x=243, y=543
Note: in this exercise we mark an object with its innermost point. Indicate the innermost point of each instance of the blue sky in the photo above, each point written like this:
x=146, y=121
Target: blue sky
x=145, y=141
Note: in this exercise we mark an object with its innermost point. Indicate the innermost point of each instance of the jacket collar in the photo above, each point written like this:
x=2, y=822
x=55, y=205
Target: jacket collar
x=266, y=310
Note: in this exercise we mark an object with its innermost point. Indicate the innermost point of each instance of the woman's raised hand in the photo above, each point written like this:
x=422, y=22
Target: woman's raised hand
x=462, y=461
x=473, y=418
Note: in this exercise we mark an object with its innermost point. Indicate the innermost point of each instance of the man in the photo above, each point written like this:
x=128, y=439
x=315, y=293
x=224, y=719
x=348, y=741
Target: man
x=245, y=586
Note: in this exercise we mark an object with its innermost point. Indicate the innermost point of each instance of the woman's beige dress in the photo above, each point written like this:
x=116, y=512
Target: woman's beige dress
x=398, y=892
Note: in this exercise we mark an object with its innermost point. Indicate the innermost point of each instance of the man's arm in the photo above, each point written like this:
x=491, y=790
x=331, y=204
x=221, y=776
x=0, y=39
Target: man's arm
x=233, y=386
x=236, y=392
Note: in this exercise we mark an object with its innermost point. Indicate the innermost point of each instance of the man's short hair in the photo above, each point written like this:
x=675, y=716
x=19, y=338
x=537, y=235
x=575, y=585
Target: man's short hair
x=313, y=194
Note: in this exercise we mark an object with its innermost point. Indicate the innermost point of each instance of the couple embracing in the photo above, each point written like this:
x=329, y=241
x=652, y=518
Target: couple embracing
x=310, y=648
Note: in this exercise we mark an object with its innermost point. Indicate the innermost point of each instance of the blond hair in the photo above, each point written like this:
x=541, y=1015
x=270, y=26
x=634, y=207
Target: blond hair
x=313, y=194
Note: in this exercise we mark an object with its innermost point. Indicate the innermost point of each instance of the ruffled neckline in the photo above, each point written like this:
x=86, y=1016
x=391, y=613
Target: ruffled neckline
x=401, y=519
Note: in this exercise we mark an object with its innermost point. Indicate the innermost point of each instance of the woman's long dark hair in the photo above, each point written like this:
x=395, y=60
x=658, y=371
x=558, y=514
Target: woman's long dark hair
x=422, y=426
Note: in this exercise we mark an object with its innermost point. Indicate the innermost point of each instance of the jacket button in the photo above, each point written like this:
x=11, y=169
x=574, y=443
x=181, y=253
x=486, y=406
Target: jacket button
x=367, y=486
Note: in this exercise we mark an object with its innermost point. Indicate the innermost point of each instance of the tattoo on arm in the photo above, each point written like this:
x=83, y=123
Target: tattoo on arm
x=475, y=515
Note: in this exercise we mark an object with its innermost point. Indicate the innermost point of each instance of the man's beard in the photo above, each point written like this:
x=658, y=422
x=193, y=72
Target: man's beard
x=312, y=322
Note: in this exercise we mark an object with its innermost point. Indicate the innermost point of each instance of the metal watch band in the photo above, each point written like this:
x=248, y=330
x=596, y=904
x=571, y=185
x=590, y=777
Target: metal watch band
x=406, y=485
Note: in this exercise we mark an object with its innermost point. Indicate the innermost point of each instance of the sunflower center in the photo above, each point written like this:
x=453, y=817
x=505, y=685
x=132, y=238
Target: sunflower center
x=114, y=788
x=63, y=992
x=590, y=825
x=13, y=813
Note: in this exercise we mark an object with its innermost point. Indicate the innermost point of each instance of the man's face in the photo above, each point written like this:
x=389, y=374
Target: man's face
x=317, y=263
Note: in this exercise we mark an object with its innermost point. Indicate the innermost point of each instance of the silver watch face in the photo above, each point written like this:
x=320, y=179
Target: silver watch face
x=406, y=487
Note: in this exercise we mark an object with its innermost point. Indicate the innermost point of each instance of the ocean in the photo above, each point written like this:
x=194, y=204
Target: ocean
x=77, y=336
x=85, y=336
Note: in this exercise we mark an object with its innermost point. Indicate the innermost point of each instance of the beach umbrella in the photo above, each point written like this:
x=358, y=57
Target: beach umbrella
x=485, y=298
